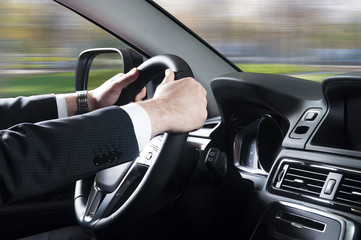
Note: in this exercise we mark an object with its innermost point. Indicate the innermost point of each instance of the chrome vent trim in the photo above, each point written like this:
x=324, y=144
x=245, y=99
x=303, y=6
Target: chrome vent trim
x=333, y=186
x=349, y=190
x=302, y=179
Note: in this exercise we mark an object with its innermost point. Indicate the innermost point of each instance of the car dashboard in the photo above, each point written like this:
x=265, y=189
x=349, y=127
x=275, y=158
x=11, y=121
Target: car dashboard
x=299, y=144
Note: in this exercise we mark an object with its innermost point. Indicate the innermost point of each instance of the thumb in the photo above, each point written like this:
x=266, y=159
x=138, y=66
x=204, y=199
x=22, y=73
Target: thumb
x=169, y=76
x=127, y=78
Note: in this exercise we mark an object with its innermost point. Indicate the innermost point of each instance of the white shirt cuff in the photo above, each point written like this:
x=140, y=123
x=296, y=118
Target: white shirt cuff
x=141, y=123
x=61, y=105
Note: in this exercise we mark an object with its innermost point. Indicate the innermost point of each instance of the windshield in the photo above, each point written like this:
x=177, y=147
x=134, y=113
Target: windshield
x=310, y=39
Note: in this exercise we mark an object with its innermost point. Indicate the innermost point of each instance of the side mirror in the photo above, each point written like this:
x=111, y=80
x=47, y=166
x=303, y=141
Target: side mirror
x=128, y=57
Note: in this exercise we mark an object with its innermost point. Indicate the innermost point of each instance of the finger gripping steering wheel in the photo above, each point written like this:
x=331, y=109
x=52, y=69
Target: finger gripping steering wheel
x=122, y=195
x=151, y=69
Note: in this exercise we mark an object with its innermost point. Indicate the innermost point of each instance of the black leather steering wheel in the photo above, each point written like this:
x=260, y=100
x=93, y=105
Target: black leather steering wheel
x=124, y=194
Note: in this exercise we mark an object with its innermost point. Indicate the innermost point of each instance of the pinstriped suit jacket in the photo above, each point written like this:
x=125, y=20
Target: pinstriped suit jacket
x=38, y=154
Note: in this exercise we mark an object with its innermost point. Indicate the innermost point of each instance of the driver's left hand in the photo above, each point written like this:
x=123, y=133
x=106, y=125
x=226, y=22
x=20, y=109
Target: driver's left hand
x=108, y=93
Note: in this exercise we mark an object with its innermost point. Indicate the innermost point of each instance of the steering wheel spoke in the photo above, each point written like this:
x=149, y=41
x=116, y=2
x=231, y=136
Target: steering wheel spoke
x=150, y=152
x=101, y=203
x=94, y=200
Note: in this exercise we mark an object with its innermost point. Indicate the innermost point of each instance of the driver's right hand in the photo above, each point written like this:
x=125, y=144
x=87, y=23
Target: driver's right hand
x=177, y=106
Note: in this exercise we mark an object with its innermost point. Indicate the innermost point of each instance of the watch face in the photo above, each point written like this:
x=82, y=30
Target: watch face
x=82, y=98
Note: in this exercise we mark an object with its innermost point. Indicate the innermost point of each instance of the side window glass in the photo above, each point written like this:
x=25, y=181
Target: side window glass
x=39, y=45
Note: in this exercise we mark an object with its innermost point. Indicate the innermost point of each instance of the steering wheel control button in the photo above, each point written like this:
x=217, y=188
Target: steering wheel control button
x=216, y=161
x=147, y=156
x=150, y=156
x=212, y=154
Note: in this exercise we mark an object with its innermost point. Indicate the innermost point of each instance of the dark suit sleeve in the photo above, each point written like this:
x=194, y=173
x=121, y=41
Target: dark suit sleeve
x=35, y=158
x=27, y=109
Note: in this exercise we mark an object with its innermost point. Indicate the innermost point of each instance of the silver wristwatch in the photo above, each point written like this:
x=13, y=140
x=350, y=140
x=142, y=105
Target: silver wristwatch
x=82, y=100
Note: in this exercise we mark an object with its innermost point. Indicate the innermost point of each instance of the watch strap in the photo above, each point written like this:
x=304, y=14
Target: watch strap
x=82, y=101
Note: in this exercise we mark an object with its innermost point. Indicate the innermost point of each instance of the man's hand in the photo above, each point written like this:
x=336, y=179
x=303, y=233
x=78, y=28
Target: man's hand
x=108, y=93
x=177, y=106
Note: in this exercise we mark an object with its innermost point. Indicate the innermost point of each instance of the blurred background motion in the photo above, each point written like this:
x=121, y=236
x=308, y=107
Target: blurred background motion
x=312, y=39
x=40, y=41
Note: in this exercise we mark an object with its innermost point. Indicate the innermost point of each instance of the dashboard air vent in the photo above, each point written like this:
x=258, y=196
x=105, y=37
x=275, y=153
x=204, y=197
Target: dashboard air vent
x=329, y=185
x=349, y=190
x=302, y=179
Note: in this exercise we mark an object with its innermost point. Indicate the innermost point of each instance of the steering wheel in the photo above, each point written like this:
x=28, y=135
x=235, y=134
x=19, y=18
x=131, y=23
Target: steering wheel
x=125, y=193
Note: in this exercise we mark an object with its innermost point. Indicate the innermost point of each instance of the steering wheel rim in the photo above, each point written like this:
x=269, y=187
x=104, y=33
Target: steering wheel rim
x=97, y=211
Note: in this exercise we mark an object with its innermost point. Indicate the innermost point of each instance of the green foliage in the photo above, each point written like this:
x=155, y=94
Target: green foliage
x=318, y=77
x=60, y=82
x=275, y=68
x=308, y=72
x=32, y=84
x=98, y=77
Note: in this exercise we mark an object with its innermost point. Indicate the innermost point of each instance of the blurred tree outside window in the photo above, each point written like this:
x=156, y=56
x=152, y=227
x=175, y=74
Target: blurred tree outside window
x=40, y=41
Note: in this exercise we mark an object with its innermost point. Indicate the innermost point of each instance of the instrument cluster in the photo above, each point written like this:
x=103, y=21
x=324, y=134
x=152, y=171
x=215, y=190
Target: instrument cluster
x=257, y=143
